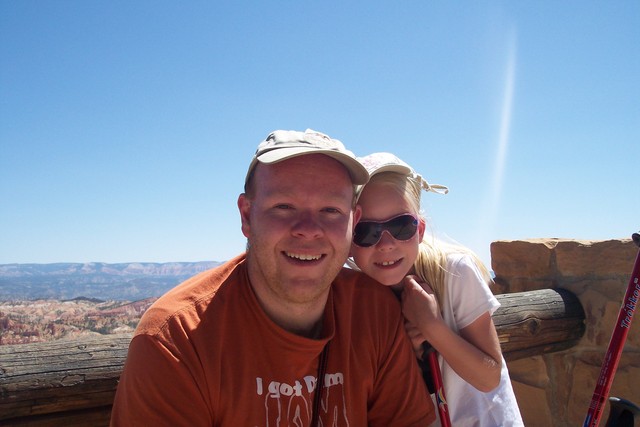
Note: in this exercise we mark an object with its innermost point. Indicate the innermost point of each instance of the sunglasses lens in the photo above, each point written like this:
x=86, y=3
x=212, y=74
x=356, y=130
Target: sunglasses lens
x=368, y=233
x=402, y=227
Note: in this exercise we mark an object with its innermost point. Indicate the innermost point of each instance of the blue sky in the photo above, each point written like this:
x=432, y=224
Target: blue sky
x=126, y=127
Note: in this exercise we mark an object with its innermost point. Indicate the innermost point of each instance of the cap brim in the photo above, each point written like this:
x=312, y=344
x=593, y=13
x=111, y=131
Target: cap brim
x=359, y=174
x=403, y=170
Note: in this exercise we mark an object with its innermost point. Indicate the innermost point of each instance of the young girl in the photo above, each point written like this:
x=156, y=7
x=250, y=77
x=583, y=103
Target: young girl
x=444, y=292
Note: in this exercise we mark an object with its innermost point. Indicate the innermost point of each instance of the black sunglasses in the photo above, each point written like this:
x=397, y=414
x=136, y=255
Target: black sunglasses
x=401, y=227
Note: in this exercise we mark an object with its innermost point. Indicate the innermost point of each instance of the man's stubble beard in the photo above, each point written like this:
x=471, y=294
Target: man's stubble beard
x=262, y=266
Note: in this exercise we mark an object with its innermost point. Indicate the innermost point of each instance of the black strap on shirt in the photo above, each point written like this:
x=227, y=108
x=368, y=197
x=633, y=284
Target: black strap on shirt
x=322, y=368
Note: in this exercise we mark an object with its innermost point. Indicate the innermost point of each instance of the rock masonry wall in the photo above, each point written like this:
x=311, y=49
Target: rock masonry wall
x=555, y=389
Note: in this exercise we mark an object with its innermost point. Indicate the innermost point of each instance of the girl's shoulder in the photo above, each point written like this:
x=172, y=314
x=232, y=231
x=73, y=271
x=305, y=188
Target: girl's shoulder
x=467, y=290
x=462, y=270
x=458, y=261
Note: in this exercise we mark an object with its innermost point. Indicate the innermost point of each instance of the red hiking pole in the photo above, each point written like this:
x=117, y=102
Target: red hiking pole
x=616, y=344
x=441, y=399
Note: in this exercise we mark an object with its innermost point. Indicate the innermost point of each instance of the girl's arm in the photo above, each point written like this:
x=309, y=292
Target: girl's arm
x=474, y=355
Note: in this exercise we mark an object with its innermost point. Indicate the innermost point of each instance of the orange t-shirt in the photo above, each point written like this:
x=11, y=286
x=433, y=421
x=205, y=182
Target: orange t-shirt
x=205, y=354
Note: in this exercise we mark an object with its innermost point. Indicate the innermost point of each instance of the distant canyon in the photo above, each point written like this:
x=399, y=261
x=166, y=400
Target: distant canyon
x=96, y=280
x=44, y=302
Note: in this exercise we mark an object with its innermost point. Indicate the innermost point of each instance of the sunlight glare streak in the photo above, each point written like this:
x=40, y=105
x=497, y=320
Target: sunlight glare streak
x=491, y=214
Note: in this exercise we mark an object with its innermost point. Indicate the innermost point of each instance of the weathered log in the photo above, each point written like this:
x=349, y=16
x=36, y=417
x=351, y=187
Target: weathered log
x=42, y=383
x=538, y=322
x=72, y=382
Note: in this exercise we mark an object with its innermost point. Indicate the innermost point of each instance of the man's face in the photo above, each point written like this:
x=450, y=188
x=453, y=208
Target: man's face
x=299, y=223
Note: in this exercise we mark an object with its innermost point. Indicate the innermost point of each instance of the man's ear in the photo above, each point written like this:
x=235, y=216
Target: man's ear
x=244, y=206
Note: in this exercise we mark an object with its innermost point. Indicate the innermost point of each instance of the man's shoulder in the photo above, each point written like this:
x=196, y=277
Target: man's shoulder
x=191, y=296
x=359, y=285
x=204, y=284
x=355, y=278
x=365, y=309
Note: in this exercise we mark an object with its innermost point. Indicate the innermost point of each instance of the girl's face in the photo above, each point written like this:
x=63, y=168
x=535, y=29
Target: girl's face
x=389, y=260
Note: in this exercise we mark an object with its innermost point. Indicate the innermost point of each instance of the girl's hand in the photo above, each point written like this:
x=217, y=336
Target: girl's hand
x=474, y=354
x=419, y=305
x=416, y=338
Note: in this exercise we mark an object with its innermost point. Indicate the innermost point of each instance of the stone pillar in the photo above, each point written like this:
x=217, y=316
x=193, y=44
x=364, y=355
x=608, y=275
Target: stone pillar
x=555, y=389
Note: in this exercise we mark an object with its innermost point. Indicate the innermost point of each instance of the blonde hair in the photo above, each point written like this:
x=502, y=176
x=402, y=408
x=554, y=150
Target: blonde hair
x=431, y=262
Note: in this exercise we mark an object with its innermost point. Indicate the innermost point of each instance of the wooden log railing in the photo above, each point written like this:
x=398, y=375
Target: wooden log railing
x=73, y=382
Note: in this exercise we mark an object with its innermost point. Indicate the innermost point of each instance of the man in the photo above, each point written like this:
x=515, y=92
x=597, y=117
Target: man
x=282, y=335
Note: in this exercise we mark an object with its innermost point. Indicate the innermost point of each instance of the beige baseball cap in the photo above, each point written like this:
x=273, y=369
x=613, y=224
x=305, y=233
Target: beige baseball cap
x=286, y=144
